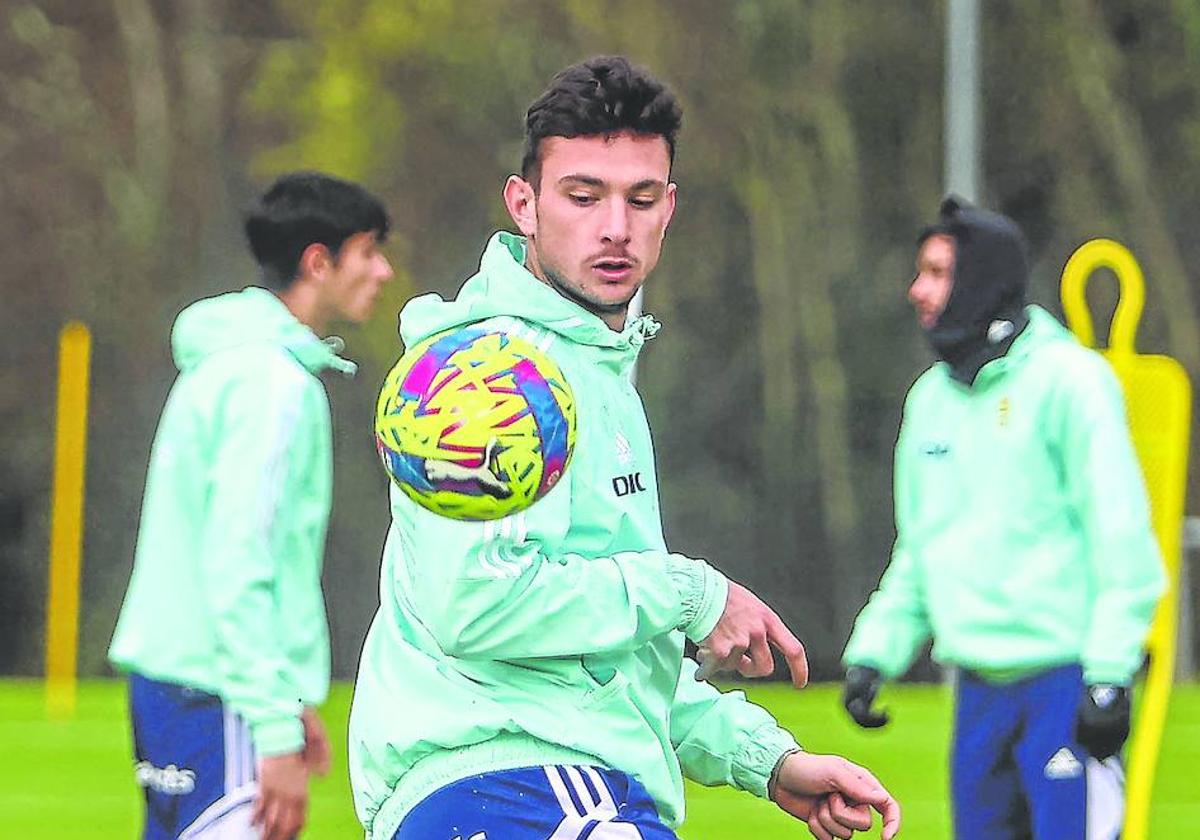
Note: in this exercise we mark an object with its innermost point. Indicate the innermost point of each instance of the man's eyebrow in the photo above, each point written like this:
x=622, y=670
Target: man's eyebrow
x=593, y=181
x=648, y=184
x=587, y=180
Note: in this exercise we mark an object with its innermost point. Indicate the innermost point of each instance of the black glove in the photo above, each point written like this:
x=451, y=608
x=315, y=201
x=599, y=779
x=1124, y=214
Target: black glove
x=862, y=684
x=1102, y=724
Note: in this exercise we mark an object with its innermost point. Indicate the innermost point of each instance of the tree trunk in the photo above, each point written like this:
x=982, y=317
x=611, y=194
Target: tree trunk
x=838, y=197
x=1120, y=136
x=205, y=255
x=140, y=202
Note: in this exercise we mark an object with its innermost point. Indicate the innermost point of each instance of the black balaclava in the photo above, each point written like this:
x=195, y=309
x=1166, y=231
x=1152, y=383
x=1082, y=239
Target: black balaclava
x=986, y=308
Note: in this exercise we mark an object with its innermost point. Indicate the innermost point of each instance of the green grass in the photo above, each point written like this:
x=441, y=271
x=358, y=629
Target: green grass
x=72, y=778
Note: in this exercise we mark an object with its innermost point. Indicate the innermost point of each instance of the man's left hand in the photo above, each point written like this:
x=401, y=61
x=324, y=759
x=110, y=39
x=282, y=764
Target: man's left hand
x=1102, y=724
x=316, y=742
x=833, y=796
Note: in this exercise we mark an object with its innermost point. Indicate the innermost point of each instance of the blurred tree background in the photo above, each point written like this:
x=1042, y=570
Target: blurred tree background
x=133, y=132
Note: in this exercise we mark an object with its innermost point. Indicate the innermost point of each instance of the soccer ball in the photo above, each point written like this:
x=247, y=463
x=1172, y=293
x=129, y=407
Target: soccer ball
x=475, y=424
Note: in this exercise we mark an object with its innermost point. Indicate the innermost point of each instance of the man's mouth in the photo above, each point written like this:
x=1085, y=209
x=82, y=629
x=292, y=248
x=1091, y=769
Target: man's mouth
x=613, y=269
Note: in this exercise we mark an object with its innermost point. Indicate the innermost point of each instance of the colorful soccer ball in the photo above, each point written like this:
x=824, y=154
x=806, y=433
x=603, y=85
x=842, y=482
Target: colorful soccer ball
x=475, y=424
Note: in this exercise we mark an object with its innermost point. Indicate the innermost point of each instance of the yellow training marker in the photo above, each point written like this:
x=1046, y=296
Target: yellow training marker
x=1158, y=399
x=66, y=526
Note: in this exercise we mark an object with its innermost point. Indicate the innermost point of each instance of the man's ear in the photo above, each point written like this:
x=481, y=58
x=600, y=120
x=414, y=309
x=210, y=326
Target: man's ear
x=315, y=261
x=521, y=202
x=670, y=197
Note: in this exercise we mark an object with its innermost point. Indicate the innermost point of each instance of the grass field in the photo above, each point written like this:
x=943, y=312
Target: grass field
x=72, y=778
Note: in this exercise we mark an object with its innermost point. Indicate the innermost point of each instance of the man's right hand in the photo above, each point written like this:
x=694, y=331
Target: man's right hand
x=282, y=804
x=743, y=638
x=862, y=684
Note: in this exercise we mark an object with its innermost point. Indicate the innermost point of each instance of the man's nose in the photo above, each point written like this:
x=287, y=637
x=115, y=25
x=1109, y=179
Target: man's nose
x=915, y=289
x=616, y=222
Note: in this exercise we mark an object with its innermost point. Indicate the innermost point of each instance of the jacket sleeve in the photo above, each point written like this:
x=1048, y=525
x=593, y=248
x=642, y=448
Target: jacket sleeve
x=894, y=624
x=1106, y=487
x=723, y=738
x=498, y=590
x=266, y=422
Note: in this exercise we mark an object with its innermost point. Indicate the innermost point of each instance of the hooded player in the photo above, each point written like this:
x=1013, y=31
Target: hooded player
x=1023, y=546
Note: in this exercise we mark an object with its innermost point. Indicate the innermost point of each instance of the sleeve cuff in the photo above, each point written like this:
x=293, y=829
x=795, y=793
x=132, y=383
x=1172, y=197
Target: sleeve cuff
x=1094, y=674
x=278, y=736
x=703, y=592
x=755, y=761
x=865, y=662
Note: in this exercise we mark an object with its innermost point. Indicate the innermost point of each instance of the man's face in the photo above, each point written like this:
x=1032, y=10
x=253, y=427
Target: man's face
x=931, y=287
x=355, y=279
x=597, y=220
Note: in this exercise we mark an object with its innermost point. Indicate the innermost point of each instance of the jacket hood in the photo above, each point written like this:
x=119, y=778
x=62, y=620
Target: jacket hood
x=985, y=310
x=503, y=286
x=251, y=316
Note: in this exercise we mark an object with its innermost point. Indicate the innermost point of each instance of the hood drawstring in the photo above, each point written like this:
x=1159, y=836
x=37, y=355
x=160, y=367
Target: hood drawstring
x=336, y=345
x=642, y=329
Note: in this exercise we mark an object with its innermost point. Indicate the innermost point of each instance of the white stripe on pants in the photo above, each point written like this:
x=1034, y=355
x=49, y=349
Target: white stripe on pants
x=228, y=818
x=1105, y=798
x=576, y=820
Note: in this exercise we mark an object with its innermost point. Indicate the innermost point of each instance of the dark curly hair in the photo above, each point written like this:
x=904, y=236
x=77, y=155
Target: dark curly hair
x=303, y=208
x=601, y=96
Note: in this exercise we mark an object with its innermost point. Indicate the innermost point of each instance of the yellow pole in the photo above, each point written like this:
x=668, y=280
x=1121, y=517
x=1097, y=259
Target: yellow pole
x=66, y=524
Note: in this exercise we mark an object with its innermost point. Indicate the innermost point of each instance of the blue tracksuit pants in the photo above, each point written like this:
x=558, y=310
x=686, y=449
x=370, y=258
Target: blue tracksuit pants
x=195, y=762
x=554, y=802
x=1017, y=772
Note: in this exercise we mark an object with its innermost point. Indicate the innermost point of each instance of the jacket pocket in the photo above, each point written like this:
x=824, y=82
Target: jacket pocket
x=600, y=693
x=599, y=671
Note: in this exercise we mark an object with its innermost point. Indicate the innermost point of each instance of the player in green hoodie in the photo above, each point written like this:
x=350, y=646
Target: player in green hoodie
x=1023, y=546
x=223, y=629
x=524, y=679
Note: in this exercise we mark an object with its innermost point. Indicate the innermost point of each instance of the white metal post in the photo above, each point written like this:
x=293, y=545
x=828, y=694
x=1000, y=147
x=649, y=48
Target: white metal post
x=962, y=99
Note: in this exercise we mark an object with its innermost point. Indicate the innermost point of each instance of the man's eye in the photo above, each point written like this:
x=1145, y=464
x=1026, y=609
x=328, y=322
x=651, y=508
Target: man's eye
x=643, y=202
x=583, y=198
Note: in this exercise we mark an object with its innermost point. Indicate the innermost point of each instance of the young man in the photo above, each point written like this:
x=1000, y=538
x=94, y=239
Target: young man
x=524, y=679
x=223, y=630
x=1023, y=546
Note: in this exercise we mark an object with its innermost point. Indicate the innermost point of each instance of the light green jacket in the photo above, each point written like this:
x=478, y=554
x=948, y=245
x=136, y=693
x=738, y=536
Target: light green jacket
x=226, y=588
x=1023, y=530
x=554, y=635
